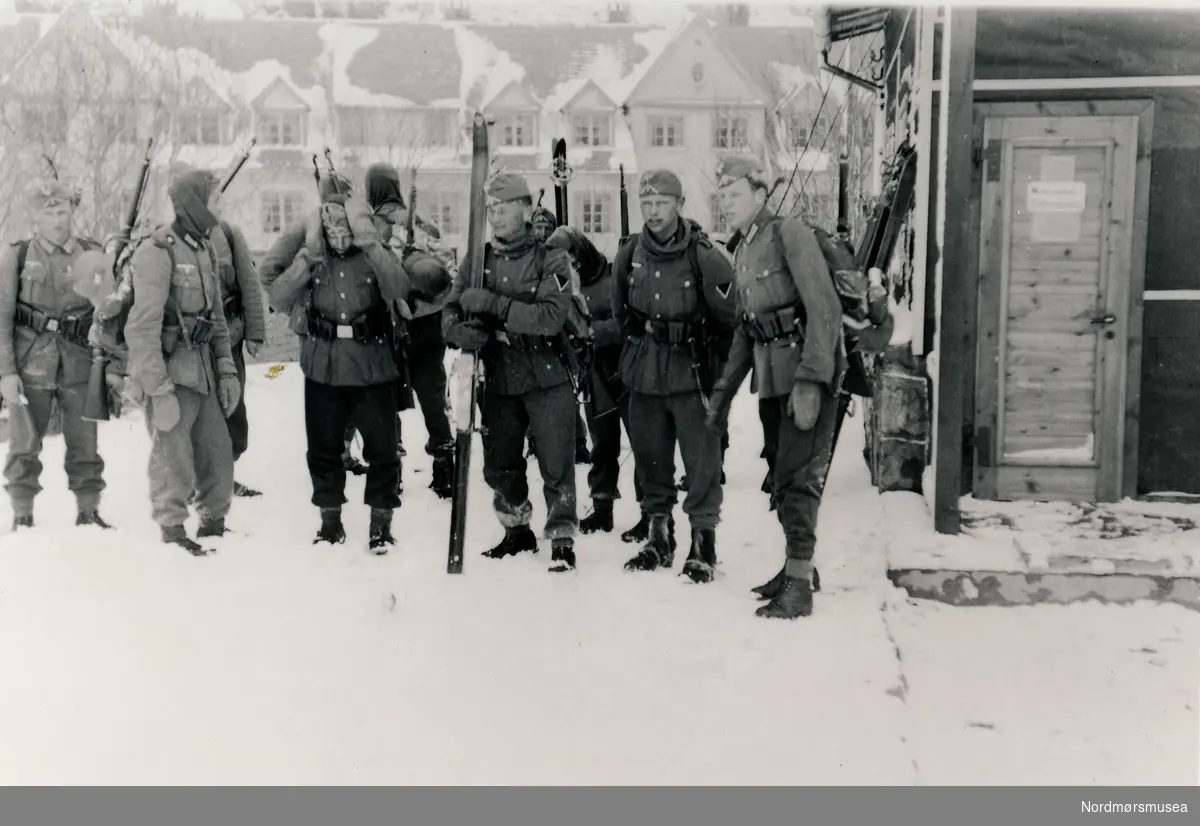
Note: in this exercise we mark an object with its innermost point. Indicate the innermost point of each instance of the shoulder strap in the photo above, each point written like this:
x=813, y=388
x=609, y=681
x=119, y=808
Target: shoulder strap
x=693, y=256
x=22, y=254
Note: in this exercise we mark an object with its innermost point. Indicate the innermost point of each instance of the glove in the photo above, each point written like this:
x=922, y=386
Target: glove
x=362, y=221
x=478, y=300
x=12, y=390
x=468, y=336
x=717, y=418
x=804, y=404
x=164, y=412
x=253, y=348
x=229, y=391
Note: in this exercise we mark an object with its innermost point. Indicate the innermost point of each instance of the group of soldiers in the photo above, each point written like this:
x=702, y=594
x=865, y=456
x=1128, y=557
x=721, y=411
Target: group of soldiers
x=672, y=327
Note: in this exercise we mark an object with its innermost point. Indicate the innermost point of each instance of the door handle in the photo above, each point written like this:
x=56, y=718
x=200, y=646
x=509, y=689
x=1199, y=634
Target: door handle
x=1107, y=318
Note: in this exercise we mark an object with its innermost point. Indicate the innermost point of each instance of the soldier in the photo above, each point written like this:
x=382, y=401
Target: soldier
x=44, y=357
x=543, y=224
x=281, y=254
x=524, y=309
x=609, y=406
x=672, y=297
x=245, y=316
x=348, y=288
x=181, y=364
x=430, y=278
x=791, y=334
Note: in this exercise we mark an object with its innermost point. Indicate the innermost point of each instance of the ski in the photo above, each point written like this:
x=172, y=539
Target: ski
x=467, y=370
x=560, y=173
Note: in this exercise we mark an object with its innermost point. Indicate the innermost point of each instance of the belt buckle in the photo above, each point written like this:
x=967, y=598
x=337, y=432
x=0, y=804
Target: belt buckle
x=52, y=325
x=345, y=331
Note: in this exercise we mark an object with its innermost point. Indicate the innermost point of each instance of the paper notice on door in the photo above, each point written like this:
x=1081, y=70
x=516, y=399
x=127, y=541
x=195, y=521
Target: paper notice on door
x=1056, y=196
x=1056, y=228
x=1057, y=168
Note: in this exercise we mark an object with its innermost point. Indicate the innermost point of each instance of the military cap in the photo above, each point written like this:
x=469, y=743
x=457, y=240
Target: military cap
x=47, y=192
x=507, y=186
x=732, y=170
x=660, y=182
x=544, y=218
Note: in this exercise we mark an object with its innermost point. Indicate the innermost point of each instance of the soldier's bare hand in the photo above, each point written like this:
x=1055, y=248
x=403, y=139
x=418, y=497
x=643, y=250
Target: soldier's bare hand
x=254, y=348
x=12, y=389
x=804, y=405
x=479, y=300
x=164, y=412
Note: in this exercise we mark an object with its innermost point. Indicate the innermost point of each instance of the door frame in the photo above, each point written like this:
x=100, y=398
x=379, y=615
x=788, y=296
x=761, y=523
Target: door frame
x=1143, y=110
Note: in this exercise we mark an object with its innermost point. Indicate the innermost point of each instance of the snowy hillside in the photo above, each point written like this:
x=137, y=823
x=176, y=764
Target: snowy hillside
x=277, y=662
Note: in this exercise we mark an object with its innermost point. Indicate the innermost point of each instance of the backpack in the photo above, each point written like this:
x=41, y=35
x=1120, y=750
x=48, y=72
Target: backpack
x=860, y=327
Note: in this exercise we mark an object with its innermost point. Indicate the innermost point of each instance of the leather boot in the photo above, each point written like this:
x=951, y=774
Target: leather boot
x=701, y=564
x=331, y=530
x=381, y=540
x=659, y=550
x=562, y=555
x=795, y=596
x=516, y=540
x=177, y=535
x=600, y=519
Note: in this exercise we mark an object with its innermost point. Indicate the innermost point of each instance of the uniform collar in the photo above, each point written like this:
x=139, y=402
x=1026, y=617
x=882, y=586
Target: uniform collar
x=50, y=247
x=764, y=215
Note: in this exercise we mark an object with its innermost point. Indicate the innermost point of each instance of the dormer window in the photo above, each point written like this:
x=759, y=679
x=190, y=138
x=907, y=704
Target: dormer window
x=281, y=128
x=200, y=126
x=518, y=129
x=592, y=129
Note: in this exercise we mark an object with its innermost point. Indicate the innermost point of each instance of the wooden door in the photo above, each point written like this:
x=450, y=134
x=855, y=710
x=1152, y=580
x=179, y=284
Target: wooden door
x=1056, y=222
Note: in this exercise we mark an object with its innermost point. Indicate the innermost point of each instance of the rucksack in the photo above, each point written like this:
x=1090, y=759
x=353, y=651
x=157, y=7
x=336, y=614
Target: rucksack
x=852, y=286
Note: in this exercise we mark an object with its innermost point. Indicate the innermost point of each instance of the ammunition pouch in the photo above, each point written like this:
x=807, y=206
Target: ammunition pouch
x=373, y=327
x=73, y=328
x=186, y=329
x=671, y=333
x=764, y=328
x=232, y=306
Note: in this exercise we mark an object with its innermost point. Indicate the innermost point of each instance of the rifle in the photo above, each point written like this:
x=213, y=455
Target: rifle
x=624, y=200
x=467, y=372
x=238, y=163
x=843, y=204
x=96, y=406
x=410, y=228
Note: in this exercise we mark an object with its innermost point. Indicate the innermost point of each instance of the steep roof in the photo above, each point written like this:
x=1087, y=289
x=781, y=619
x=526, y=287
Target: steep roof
x=18, y=33
x=416, y=62
x=237, y=46
x=776, y=57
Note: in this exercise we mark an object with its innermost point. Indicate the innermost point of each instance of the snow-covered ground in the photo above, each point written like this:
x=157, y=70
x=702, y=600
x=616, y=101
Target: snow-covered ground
x=277, y=662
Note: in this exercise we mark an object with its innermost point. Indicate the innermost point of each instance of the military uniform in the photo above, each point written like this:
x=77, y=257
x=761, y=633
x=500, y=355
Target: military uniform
x=519, y=320
x=608, y=408
x=181, y=364
x=790, y=334
x=44, y=357
x=245, y=315
x=677, y=323
x=429, y=268
x=350, y=366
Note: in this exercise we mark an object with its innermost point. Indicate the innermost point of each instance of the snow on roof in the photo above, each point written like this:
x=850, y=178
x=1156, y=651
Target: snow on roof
x=486, y=69
x=344, y=42
x=18, y=32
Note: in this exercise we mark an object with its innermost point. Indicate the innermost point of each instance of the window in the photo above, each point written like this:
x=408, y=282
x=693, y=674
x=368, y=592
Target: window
x=281, y=128
x=200, y=127
x=516, y=130
x=353, y=128
x=596, y=208
x=442, y=209
x=280, y=210
x=666, y=131
x=717, y=221
x=698, y=73
x=592, y=129
x=43, y=122
x=729, y=132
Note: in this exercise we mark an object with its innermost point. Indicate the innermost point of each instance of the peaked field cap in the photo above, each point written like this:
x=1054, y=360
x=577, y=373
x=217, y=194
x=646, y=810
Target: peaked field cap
x=507, y=186
x=47, y=192
x=660, y=182
x=732, y=170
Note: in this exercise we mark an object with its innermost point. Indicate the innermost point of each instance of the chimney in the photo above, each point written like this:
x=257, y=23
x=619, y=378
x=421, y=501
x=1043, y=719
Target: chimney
x=458, y=10
x=618, y=12
x=737, y=14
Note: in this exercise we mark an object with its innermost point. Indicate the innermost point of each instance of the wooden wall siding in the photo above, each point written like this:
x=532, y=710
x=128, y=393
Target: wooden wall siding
x=1051, y=385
